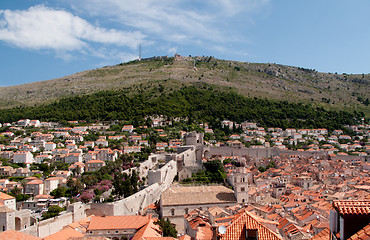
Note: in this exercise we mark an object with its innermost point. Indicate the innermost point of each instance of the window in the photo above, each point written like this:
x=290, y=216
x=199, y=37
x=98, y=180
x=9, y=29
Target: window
x=242, y=189
x=186, y=210
x=251, y=234
x=173, y=212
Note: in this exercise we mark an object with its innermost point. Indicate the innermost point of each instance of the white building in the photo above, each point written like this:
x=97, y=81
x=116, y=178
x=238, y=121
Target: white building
x=50, y=146
x=50, y=184
x=23, y=157
x=73, y=157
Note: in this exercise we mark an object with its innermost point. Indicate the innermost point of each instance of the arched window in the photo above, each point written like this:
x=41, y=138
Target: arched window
x=173, y=212
x=186, y=210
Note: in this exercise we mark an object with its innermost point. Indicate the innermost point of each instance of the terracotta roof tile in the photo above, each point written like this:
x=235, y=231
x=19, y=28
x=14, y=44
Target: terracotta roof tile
x=352, y=207
x=150, y=230
x=362, y=234
x=6, y=196
x=15, y=235
x=64, y=234
x=246, y=221
x=117, y=222
x=197, y=195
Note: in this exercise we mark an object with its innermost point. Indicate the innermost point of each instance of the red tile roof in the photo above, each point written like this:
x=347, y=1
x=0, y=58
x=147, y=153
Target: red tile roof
x=149, y=231
x=64, y=234
x=362, y=234
x=117, y=222
x=15, y=235
x=352, y=207
x=5, y=196
x=323, y=235
x=246, y=221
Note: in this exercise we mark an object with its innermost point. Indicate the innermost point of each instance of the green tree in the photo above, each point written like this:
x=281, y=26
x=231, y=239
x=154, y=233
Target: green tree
x=168, y=230
x=59, y=192
x=52, y=212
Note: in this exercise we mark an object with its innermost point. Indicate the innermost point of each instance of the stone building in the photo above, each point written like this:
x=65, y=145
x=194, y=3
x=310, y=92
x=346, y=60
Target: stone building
x=116, y=227
x=240, y=184
x=177, y=201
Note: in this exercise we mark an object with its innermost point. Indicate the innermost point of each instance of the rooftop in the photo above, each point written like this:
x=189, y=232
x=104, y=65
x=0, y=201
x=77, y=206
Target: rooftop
x=117, y=222
x=197, y=195
x=352, y=207
x=15, y=235
x=247, y=221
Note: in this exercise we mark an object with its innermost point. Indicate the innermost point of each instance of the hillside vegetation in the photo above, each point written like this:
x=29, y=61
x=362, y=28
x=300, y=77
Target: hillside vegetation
x=270, y=81
x=200, y=102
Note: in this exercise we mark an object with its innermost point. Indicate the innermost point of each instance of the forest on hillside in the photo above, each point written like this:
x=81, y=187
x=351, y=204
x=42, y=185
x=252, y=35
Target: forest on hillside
x=194, y=103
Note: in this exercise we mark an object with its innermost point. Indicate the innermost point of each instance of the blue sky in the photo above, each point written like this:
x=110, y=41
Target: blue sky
x=42, y=40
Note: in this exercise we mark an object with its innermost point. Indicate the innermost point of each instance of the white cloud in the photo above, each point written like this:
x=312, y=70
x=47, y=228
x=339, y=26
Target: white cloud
x=41, y=27
x=177, y=21
x=172, y=51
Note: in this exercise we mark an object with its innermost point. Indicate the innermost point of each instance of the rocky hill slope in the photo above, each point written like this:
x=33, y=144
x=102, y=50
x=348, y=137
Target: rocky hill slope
x=262, y=80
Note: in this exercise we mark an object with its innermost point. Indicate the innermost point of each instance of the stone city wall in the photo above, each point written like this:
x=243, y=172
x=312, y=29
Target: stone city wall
x=137, y=202
x=50, y=226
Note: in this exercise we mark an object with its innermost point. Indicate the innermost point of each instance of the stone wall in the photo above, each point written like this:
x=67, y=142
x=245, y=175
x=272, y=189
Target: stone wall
x=252, y=152
x=260, y=152
x=50, y=226
x=129, y=206
x=137, y=202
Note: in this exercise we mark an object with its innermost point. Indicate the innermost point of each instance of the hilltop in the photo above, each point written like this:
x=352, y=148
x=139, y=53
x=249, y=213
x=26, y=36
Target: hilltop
x=347, y=92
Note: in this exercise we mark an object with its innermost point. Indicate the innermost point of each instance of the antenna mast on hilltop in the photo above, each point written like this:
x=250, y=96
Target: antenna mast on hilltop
x=140, y=52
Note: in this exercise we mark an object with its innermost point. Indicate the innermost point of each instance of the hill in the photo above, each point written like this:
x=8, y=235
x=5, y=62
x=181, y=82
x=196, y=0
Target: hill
x=262, y=80
x=197, y=103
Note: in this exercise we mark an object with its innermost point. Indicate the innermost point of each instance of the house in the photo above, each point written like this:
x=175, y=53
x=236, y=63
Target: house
x=249, y=226
x=73, y=157
x=23, y=122
x=144, y=143
x=46, y=137
x=132, y=149
x=34, y=123
x=28, y=148
x=101, y=143
x=76, y=138
x=11, y=184
x=120, y=227
x=71, y=146
x=43, y=157
x=22, y=172
x=38, y=144
x=3, y=183
x=77, y=167
x=349, y=218
x=161, y=146
x=106, y=154
x=7, y=201
x=117, y=138
x=177, y=201
x=94, y=165
x=23, y=157
x=90, y=144
x=34, y=188
x=128, y=128
x=6, y=171
x=50, y=184
x=6, y=154
x=65, y=174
